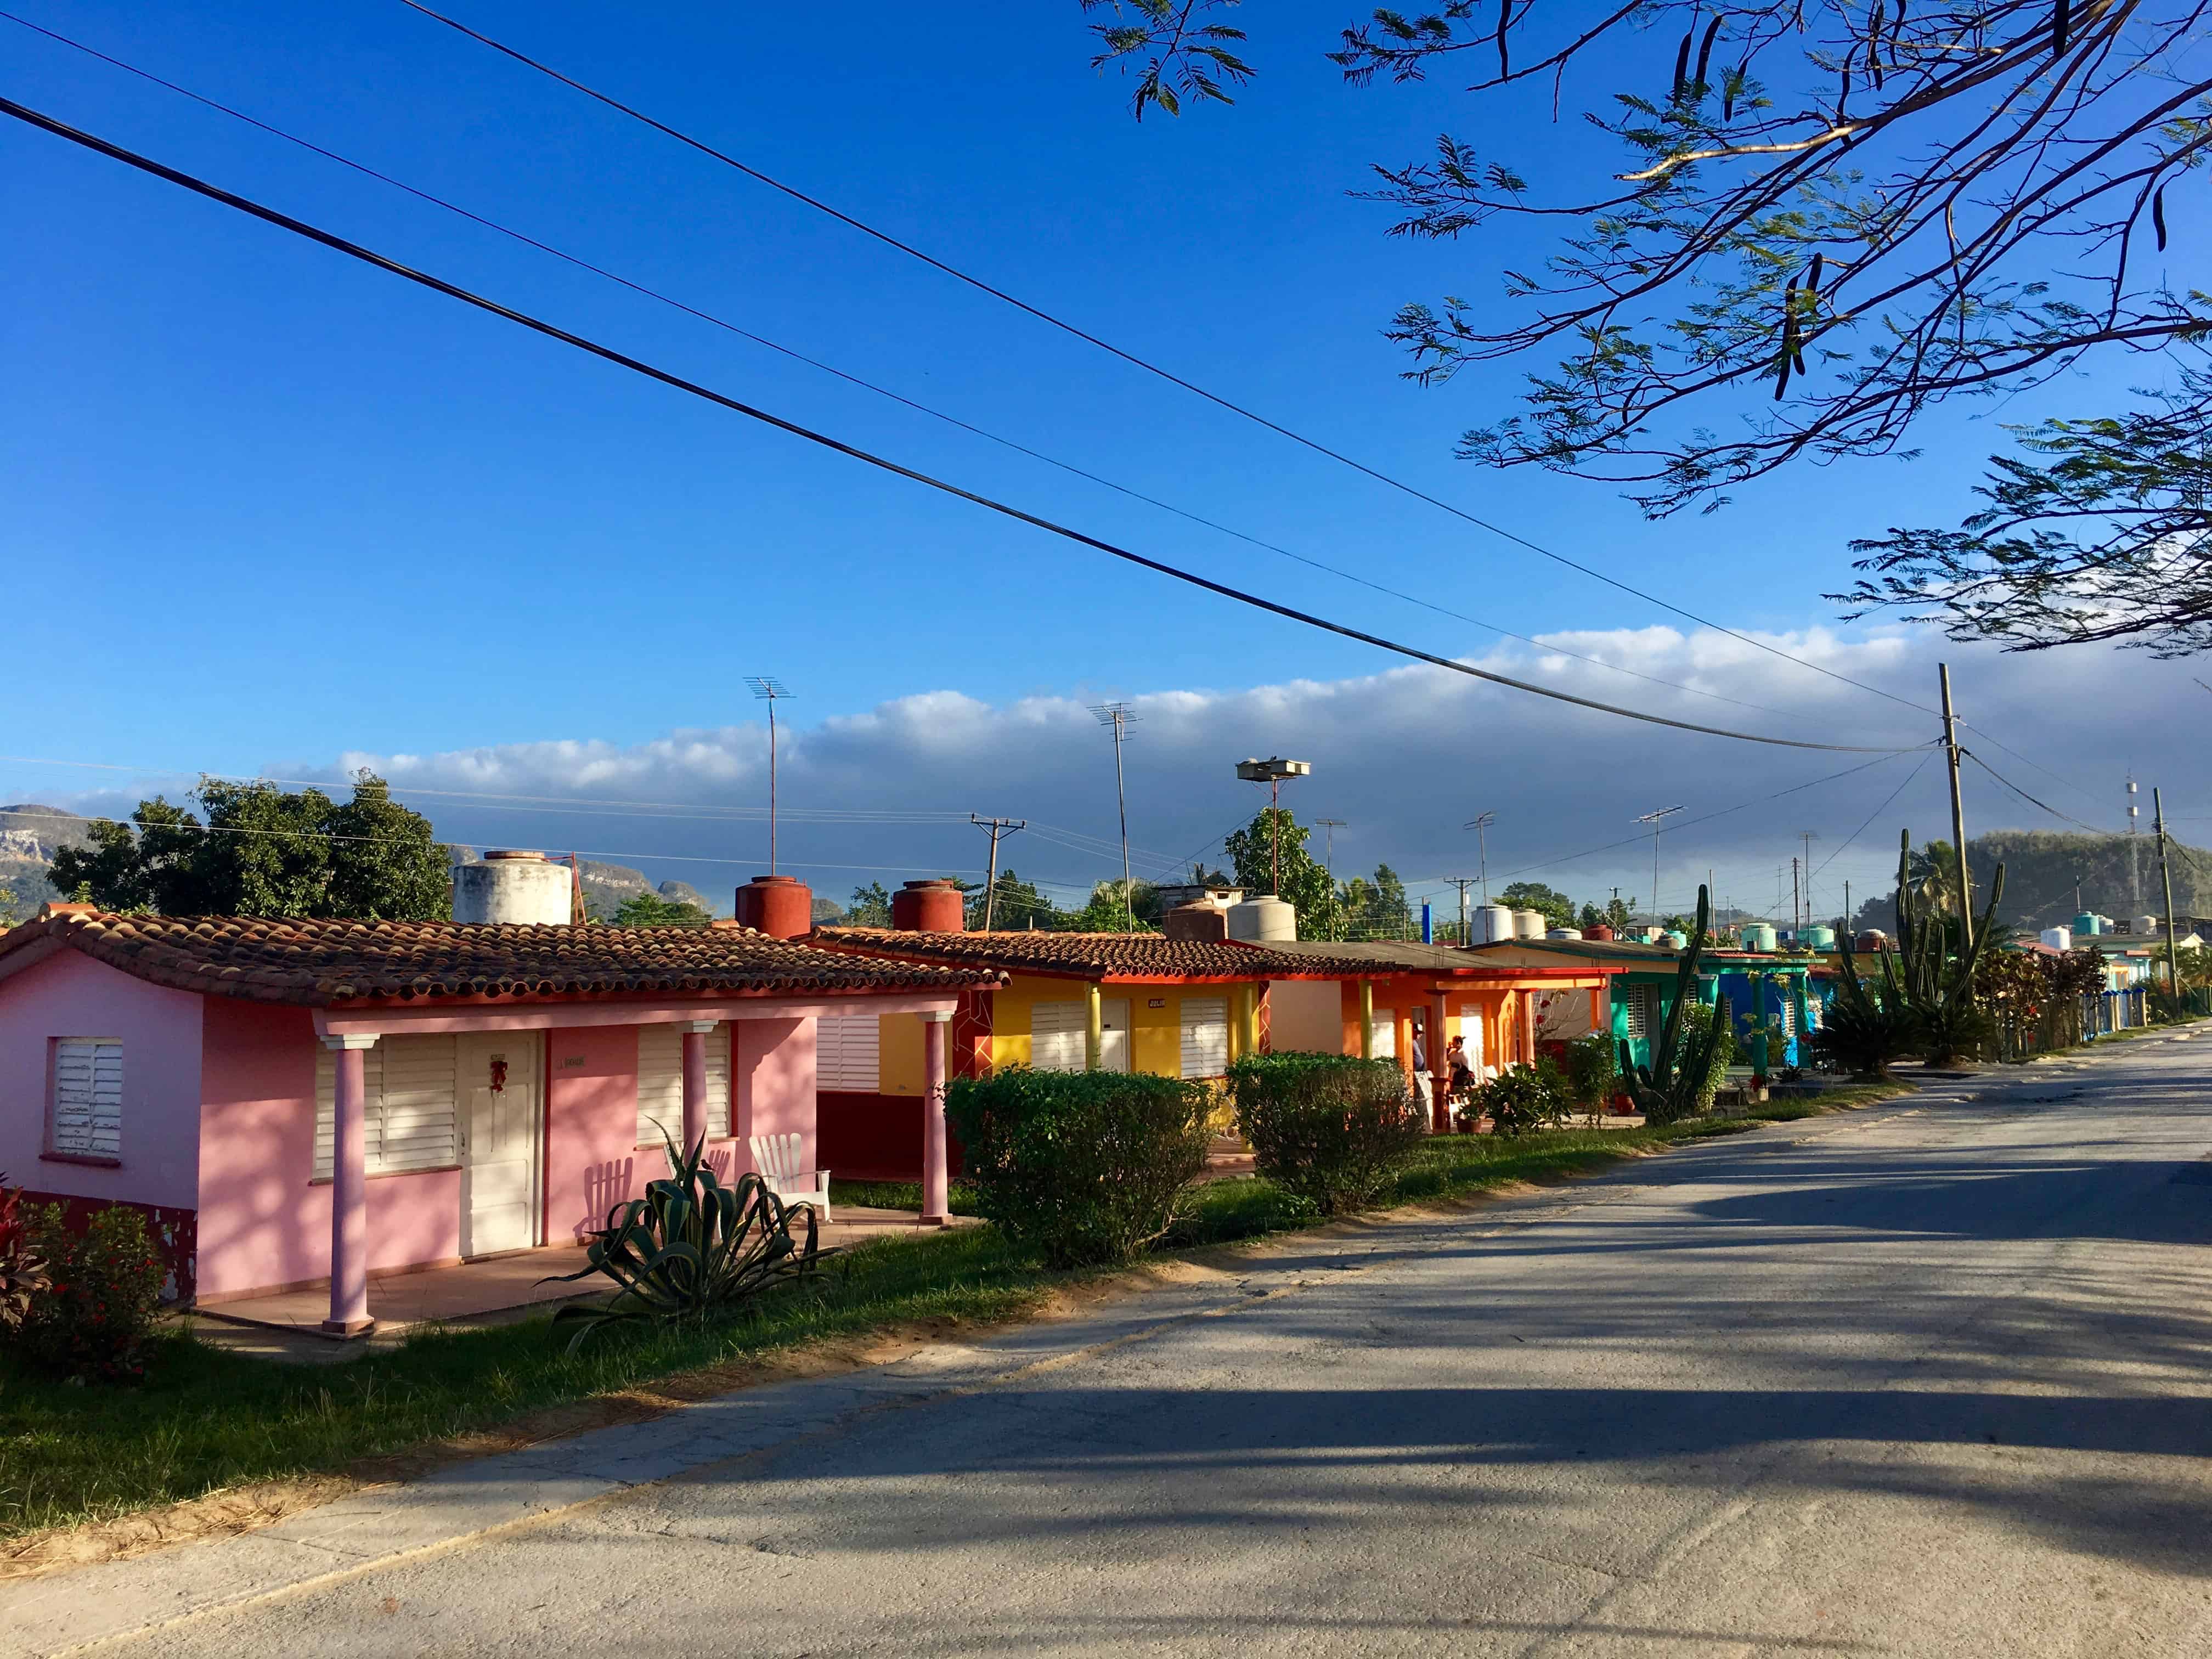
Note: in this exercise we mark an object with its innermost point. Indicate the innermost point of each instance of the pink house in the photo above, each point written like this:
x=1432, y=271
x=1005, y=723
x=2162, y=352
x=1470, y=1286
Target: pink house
x=297, y=1102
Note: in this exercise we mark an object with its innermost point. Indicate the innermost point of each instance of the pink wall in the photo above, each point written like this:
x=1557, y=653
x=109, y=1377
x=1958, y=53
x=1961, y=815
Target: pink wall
x=264, y=1220
x=70, y=995
x=773, y=1065
x=592, y=1162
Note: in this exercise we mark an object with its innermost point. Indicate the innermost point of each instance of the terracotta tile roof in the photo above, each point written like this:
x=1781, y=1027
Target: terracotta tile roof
x=278, y=960
x=1100, y=956
x=1410, y=956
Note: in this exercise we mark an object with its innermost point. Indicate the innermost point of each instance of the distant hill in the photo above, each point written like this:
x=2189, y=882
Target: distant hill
x=2118, y=877
x=30, y=836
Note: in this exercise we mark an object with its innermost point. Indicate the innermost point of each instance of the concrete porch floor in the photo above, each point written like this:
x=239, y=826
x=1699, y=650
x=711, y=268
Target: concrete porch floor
x=479, y=1292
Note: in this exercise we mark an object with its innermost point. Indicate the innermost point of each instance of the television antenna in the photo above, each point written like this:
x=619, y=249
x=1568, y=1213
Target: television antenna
x=771, y=691
x=1120, y=716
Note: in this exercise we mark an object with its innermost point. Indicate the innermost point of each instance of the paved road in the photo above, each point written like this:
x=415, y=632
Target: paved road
x=1928, y=1380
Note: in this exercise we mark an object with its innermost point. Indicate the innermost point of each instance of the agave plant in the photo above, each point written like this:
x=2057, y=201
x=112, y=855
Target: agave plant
x=690, y=1246
x=1670, y=1088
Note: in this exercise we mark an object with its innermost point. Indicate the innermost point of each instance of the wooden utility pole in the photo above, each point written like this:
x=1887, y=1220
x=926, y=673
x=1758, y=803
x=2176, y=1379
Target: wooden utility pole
x=1958, y=810
x=2166, y=876
x=997, y=827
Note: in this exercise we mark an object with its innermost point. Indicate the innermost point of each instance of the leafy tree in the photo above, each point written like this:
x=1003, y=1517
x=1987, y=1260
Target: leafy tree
x=1105, y=913
x=266, y=852
x=1619, y=912
x=871, y=907
x=651, y=910
x=1591, y=917
x=1016, y=904
x=1825, y=219
x=2101, y=530
x=1304, y=882
x=1559, y=910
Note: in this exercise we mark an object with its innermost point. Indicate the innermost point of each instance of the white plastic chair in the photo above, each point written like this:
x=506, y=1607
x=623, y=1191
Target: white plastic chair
x=777, y=1157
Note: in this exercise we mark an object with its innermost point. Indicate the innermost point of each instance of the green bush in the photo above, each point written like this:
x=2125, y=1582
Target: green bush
x=1593, y=1070
x=1699, y=1018
x=94, y=1313
x=1524, y=1097
x=1329, y=1127
x=1861, y=1037
x=1082, y=1168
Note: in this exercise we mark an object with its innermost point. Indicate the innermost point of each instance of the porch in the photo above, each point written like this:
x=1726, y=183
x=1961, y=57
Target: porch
x=472, y=1291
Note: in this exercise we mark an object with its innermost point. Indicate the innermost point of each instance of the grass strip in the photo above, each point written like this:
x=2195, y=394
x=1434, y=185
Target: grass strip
x=207, y=1418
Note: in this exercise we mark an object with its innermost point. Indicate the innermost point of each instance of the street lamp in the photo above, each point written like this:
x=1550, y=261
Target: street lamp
x=1272, y=772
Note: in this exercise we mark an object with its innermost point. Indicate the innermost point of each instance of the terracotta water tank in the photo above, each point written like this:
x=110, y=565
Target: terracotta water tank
x=935, y=906
x=1197, y=924
x=782, y=907
x=1599, y=932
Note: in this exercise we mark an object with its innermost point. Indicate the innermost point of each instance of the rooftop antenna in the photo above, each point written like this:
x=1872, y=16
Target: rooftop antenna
x=1272, y=772
x=1119, y=715
x=769, y=690
x=1480, y=824
x=1655, y=819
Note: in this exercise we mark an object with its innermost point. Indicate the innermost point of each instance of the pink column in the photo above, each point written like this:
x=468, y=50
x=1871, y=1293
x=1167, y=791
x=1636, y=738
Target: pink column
x=1440, y=1121
x=350, y=1188
x=695, y=1081
x=936, y=1198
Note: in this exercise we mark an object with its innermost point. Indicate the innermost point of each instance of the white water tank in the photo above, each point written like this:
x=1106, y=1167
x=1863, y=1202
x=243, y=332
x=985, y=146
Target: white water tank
x=1492, y=922
x=1564, y=932
x=1529, y=924
x=1263, y=921
x=2147, y=925
x=514, y=887
x=2058, y=938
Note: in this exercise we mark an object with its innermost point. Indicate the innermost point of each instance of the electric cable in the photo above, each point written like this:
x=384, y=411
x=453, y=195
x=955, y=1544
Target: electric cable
x=1917, y=769
x=352, y=250
x=850, y=378
x=1129, y=357
x=2031, y=799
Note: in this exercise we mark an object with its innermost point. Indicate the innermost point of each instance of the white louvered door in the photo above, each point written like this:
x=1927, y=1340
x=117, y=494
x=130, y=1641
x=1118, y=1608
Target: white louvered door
x=1205, y=1036
x=661, y=1085
x=1057, y=1034
x=498, y=1074
x=848, y=1054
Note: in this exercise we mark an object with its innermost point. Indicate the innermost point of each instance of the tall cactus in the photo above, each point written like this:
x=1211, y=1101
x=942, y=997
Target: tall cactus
x=1924, y=977
x=1667, y=1090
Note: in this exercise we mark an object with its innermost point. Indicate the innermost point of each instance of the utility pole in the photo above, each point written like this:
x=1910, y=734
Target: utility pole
x=1796, y=904
x=769, y=690
x=1810, y=836
x=1462, y=883
x=1847, y=905
x=1958, y=810
x=997, y=827
x=1119, y=715
x=1329, y=827
x=2166, y=876
x=1655, y=819
x=1480, y=824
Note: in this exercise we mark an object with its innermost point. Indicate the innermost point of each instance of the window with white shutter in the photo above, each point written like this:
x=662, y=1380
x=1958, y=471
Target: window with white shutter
x=1382, y=1034
x=1642, y=1011
x=1058, y=1034
x=848, y=1054
x=410, y=1089
x=1205, y=1036
x=661, y=1084
x=88, y=1103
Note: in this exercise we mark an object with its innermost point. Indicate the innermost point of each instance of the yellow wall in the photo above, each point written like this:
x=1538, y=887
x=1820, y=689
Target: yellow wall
x=898, y=1058
x=1155, y=1034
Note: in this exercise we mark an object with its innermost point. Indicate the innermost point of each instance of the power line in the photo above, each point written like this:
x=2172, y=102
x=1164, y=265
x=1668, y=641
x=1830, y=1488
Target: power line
x=1872, y=815
x=851, y=379
x=2029, y=799
x=1131, y=358
x=337, y=244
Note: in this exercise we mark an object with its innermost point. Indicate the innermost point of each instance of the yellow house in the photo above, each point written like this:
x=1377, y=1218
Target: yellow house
x=1070, y=1002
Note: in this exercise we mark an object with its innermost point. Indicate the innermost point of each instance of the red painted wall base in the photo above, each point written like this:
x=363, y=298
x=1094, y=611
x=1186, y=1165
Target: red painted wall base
x=874, y=1137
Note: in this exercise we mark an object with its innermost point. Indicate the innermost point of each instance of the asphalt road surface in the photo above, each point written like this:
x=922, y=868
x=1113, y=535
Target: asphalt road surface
x=1927, y=1380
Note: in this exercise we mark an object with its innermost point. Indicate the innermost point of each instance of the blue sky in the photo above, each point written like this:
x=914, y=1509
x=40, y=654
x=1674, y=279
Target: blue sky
x=284, y=509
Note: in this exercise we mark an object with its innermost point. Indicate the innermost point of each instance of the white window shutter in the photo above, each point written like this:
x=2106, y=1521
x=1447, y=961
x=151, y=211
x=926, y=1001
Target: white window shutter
x=415, y=1105
x=848, y=1054
x=1059, y=1035
x=1382, y=1034
x=1205, y=1036
x=326, y=1087
x=88, y=1103
x=661, y=1084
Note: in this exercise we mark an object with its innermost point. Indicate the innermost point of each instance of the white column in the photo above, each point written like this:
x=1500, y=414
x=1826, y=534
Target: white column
x=349, y=1187
x=936, y=1185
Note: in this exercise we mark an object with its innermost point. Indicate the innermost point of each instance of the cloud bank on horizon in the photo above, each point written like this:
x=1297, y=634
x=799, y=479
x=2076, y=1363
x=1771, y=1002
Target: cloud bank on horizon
x=1405, y=757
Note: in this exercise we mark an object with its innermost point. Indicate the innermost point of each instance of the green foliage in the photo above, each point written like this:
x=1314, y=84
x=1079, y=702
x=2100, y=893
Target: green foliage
x=1304, y=884
x=266, y=852
x=1559, y=910
x=1670, y=1089
x=1524, y=1097
x=1377, y=909
x=651, y=910
x=1081, y=1168
x=1015, y=904
x=1924, y=977
x=1175, y=57
x=1105, y=913
x=93, y=1318
x=1706, y=1033
x=22, y=1269
x=1593, y=1069
x=871, y=907
x=1329, y=1127
x=689, y=1247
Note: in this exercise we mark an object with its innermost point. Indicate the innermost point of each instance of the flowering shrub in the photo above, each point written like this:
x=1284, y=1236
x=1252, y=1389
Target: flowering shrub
x=93, y=1316
x=22, y=1274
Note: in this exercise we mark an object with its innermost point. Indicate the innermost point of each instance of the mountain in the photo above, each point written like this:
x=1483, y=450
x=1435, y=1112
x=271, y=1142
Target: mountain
x=30, y=836
x=2117, y=877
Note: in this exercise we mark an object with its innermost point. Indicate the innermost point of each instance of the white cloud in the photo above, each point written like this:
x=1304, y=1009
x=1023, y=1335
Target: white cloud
x=1406, y=755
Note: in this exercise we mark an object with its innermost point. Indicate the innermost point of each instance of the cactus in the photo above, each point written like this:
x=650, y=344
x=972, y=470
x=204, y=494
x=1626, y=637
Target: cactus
x=1669, y=1089
x=1925, y=986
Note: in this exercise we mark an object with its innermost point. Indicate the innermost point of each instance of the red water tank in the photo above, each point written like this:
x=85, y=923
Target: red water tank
x=935, y=906
x=1201, y=923
x=1600, y=932
x=782, y=907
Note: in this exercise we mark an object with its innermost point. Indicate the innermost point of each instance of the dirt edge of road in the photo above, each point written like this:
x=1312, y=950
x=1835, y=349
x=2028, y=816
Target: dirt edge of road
x=245, y=1509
